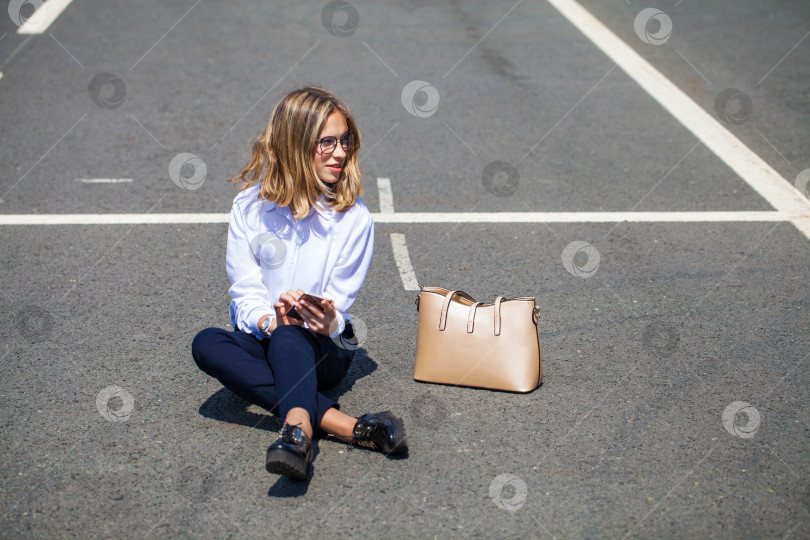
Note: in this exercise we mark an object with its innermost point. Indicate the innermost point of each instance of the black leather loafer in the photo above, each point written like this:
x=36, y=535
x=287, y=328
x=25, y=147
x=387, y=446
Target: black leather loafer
x=290, y=454
x=381, y=431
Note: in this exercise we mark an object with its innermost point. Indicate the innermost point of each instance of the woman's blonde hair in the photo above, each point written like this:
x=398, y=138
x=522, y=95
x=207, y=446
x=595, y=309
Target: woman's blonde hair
x=283, y=154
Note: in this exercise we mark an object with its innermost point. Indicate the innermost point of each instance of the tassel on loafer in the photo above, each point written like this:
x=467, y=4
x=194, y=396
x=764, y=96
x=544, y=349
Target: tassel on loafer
x=291, y=454
x=381, y=431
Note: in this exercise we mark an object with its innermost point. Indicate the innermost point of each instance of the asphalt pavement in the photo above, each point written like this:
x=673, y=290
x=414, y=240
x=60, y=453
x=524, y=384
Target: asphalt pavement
x=675, y=399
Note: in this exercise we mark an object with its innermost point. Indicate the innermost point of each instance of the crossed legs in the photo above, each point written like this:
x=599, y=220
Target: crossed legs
x=283, y=374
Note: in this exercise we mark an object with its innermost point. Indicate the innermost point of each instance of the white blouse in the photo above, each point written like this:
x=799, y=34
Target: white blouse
x=325, y=253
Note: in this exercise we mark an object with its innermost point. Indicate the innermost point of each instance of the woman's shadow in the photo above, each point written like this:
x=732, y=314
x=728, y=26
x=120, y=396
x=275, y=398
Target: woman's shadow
x=226, y=406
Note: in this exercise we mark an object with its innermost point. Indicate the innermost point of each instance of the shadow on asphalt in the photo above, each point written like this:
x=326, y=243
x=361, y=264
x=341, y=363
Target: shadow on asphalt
x=285, y=488
x=362, y=366
x=225, y=406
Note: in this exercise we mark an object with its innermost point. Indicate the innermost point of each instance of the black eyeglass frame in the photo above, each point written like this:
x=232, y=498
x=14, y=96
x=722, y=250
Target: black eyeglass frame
x=346, y=142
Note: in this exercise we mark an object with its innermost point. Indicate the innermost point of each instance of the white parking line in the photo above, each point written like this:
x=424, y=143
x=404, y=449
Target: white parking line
x=43, y=17
x=750, y=167
x=104, y=180
x=398, y=244
x=386, y=195
x=578, y=217
x=110, y=219
x=418, y=217
x=403, y=261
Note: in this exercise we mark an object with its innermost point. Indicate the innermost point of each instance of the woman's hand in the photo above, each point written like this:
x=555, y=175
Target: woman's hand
x=284, y=305
x=319, y=318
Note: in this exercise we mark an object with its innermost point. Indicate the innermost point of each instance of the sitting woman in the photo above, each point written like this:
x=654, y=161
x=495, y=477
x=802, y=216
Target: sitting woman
x=299, y=246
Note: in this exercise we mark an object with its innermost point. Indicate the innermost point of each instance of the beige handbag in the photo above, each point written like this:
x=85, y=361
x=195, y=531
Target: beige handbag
x=463, y=342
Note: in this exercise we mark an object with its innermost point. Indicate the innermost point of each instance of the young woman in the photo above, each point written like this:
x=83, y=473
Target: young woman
x=298, y=227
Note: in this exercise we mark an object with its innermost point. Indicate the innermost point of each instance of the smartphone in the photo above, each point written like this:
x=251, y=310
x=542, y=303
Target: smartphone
x=310, y=299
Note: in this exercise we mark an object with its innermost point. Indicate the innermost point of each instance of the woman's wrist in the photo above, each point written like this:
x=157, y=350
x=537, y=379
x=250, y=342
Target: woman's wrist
x=267, y=323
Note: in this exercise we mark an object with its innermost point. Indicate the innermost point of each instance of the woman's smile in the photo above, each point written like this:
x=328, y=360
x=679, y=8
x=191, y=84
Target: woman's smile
x=327, y=170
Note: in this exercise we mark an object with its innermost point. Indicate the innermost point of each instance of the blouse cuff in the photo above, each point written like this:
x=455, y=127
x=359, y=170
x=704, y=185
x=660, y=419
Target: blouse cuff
x=341, y=324
x=253, y=321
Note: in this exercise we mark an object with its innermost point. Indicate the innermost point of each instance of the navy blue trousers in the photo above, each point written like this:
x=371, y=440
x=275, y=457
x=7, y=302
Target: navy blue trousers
x=280, y=373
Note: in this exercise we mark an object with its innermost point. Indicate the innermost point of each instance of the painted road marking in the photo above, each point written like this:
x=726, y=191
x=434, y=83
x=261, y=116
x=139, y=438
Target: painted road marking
x=386, y=195
x=43, y=17
x=403, y=261
x=418, y=217
x=577, y=217
x=762, y=178
x=104, y=180
x=398, y=244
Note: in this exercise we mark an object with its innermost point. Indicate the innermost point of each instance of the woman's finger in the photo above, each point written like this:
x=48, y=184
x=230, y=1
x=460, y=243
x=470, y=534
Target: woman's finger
x=295, y=294
x=309, y=317
x=320, y=325
x=316, y=310
x=288, y=299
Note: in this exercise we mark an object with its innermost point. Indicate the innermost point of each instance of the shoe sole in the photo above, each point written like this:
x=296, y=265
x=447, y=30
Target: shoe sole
x=400, y=439
x=280, y=462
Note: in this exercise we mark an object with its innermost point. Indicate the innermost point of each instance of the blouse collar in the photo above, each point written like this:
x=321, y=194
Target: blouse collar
x=327, y=213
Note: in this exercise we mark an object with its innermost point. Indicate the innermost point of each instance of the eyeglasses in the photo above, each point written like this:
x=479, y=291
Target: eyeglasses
x=327, y=145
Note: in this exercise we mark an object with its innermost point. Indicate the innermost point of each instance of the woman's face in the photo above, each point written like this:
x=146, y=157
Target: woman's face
x=328, y=166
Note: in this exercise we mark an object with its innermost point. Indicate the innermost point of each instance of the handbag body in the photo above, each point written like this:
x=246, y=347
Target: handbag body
x=463, y=342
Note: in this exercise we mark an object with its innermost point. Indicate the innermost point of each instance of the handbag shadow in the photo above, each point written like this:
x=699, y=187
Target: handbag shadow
x=481, y=388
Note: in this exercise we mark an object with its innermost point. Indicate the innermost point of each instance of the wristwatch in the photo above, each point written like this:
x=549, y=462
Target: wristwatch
x=265, y=327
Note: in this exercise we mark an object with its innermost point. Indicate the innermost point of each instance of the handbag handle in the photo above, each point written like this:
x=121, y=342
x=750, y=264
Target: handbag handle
x=446, y=304
x=498, y=315
x=471, y=317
